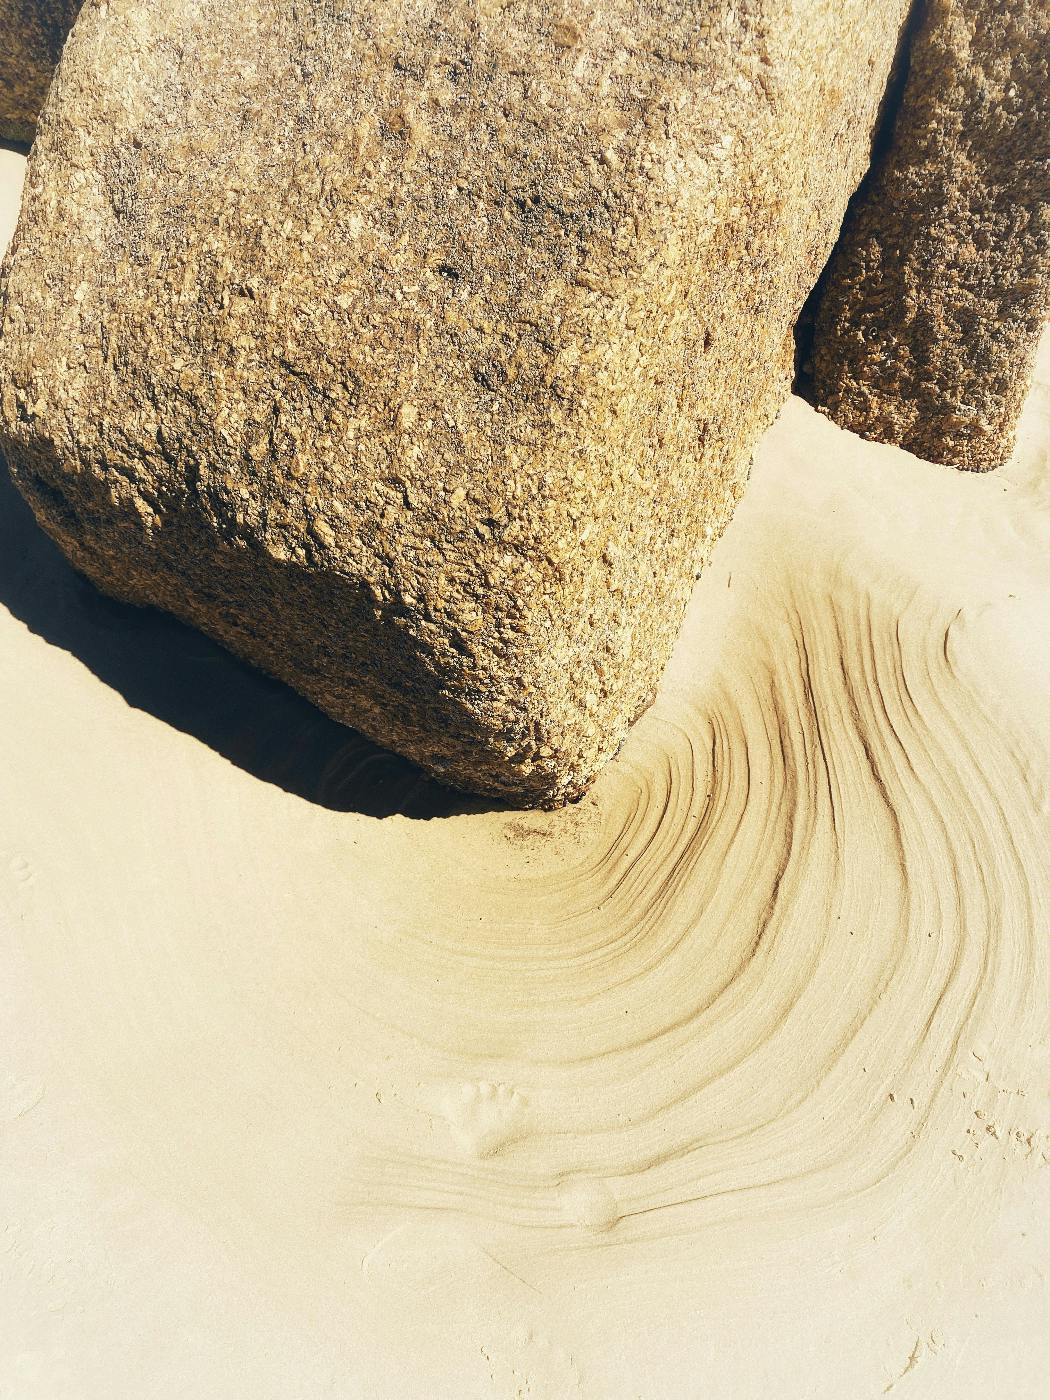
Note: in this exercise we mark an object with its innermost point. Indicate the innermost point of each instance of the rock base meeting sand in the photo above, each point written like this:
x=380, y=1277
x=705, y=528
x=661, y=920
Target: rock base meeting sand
x=731, y=1079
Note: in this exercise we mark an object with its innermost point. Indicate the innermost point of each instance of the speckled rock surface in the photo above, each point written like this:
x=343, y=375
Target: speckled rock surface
x=32, y=33
x=927, y=330
x=417, y=351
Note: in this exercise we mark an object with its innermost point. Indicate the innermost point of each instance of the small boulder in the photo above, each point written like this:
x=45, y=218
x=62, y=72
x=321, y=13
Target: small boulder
x=936, y=295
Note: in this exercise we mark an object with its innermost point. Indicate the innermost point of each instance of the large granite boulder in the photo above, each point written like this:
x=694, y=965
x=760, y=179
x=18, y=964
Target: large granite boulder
x=417, y=351
x=32, y=33
x=927, y=328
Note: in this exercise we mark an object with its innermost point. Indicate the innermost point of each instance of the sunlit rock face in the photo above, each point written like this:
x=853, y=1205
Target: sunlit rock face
x=418, y=352
x=938, y=292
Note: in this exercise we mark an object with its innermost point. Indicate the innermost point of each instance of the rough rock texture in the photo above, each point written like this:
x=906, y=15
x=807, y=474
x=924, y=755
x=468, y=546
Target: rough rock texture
x=32, y=33
x=417, y=351
x=927, y=329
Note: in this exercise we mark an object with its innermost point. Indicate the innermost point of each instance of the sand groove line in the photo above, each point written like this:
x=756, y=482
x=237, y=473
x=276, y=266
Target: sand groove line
x=885, y=778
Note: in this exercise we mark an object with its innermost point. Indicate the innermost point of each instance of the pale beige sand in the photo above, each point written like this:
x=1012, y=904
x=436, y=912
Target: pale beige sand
x=731, y=1082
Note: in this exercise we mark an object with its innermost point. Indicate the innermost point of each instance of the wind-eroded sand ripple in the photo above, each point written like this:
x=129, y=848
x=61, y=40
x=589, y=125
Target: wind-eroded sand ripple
x=742, y=979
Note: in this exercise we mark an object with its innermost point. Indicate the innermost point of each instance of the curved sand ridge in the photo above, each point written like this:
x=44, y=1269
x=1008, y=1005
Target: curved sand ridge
x=745, y=980
x=734, y=1076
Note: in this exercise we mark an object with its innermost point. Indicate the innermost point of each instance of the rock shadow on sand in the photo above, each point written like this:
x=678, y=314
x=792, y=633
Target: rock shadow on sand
x=183, y=678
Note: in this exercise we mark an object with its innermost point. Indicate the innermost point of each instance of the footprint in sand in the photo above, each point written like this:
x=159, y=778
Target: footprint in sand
x=532, y=1368
x=21, y=870
x=485, y=1117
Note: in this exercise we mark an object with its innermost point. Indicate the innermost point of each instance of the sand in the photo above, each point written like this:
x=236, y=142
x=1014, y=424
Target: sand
x=731, y=1081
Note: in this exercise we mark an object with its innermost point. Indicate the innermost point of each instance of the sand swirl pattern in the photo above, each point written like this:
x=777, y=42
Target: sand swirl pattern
x=745, y=981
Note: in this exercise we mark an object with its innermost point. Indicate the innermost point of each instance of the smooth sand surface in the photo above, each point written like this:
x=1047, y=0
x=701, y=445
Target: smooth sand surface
x=731, y=1082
